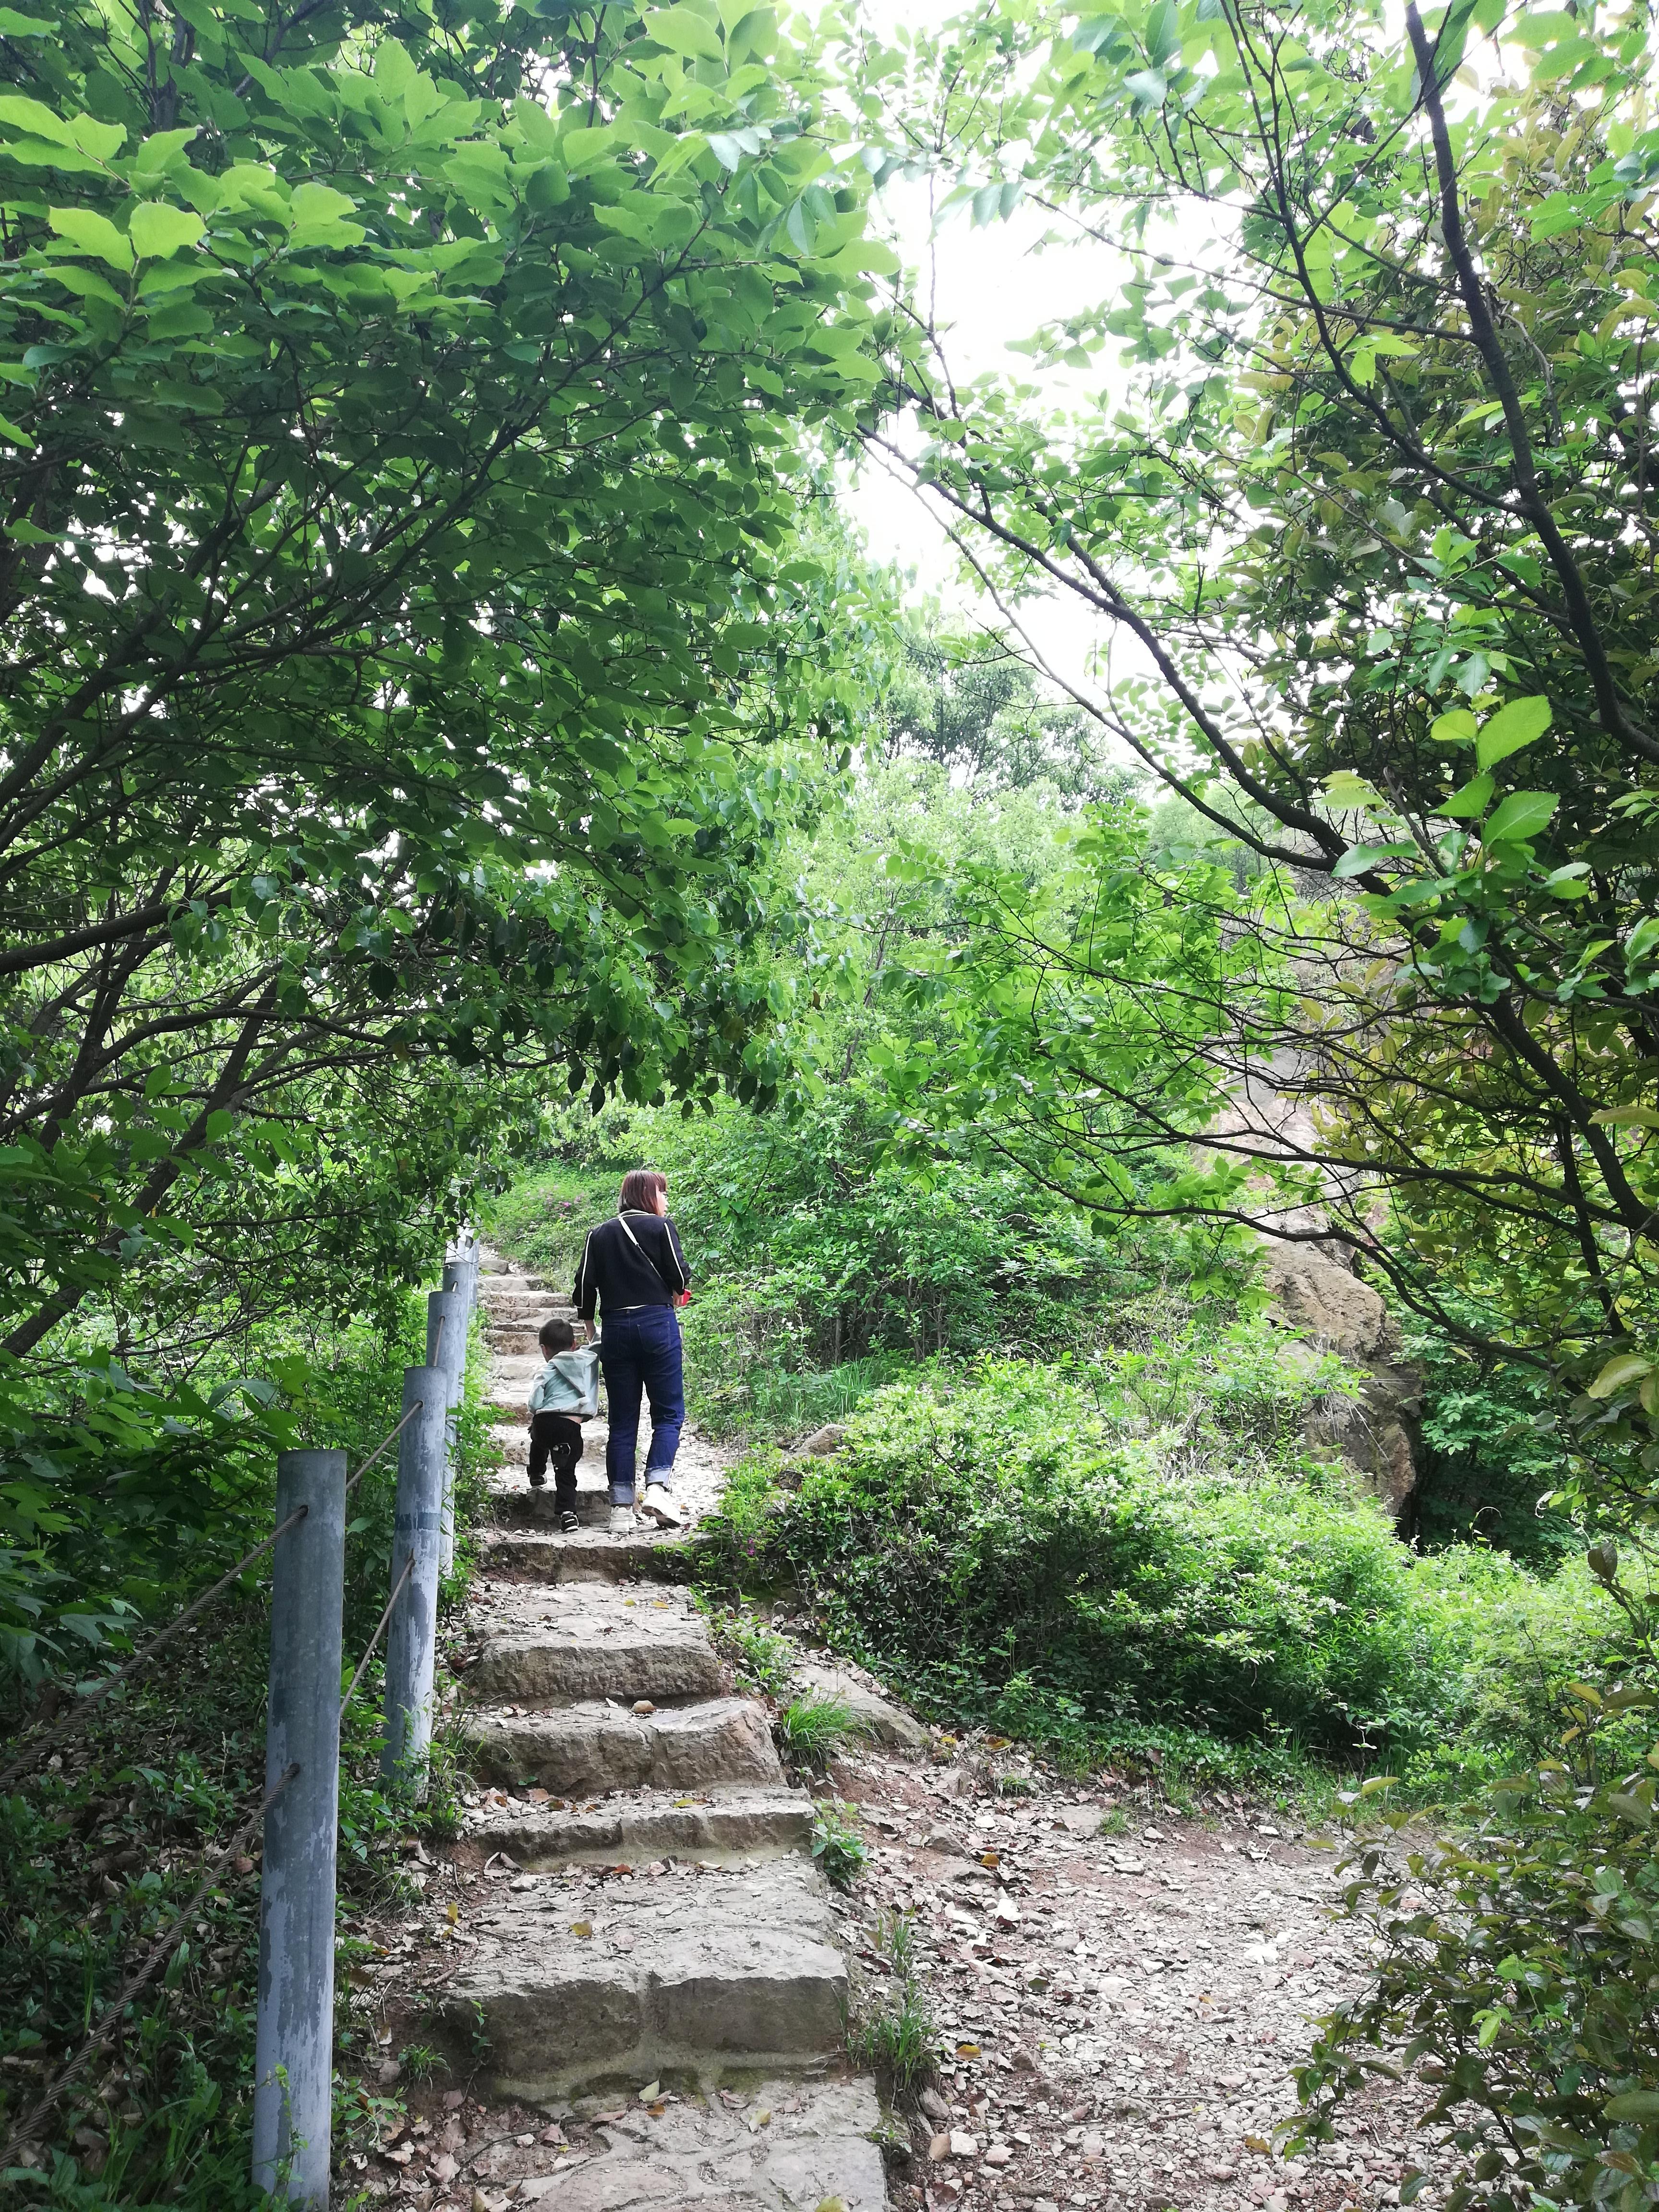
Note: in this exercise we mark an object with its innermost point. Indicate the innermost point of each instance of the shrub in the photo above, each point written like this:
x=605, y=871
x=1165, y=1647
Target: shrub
x=1519, y=1965
x=1008, y=1546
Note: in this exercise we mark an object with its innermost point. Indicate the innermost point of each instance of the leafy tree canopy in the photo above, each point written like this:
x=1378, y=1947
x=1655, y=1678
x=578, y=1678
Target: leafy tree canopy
x=1373, y=498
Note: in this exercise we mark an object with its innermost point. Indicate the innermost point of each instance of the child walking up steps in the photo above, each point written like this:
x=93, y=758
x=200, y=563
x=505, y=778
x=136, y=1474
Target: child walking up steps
x=564, y=1395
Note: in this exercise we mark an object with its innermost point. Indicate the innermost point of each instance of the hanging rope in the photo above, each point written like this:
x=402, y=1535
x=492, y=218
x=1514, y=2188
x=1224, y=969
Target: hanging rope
x=409, y=1569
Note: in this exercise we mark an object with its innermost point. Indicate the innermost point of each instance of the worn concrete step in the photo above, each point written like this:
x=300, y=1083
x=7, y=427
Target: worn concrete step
x=781, y=2146
x=588, y=1749
x=573, y=1978
x=591, y=1556
x=645, y=1826
x=591, y=1647
x=519, y=1506
x=516, y=1340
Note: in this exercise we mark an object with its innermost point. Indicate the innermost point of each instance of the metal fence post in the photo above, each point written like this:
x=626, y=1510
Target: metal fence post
x=454, y=1306
x=295, y=2045
x=412, y=1635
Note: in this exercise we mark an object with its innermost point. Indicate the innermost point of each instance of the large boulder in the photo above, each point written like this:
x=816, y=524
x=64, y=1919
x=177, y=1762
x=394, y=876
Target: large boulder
x=1327, y=1305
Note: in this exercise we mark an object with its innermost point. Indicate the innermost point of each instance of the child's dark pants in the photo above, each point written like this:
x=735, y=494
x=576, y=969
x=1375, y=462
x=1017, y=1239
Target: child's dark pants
x=558, y=1437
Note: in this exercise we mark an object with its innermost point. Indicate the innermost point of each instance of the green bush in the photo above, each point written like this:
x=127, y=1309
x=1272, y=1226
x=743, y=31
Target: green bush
x=1517, y=1967
x=1008, y=1546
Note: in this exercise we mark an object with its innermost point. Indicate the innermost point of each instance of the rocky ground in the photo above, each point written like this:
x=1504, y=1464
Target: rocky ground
x=1117, y=1995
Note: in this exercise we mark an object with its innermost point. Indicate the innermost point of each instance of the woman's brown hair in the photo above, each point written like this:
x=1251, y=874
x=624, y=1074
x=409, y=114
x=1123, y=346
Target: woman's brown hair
x=641, y=1187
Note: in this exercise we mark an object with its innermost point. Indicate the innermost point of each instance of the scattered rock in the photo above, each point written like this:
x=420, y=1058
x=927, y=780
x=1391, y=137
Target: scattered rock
x=824, y=1441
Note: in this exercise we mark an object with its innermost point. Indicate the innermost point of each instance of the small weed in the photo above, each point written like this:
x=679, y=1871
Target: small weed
x=897, y=2040
x=1114, y=1823
x=810, y=1730
x=836, y=1843
x=761, y=1659
x=422, y=2062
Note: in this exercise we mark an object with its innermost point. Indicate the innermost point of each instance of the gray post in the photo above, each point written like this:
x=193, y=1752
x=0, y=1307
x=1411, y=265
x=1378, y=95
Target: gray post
x=453, y=1306
x=295, y=2045
x=412, y=1632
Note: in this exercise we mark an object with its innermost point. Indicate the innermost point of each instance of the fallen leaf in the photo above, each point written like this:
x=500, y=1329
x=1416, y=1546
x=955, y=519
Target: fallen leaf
x=581, y=1928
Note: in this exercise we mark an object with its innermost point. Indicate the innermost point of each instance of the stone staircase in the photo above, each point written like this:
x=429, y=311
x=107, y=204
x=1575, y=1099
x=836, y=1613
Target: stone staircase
x=660, y=1926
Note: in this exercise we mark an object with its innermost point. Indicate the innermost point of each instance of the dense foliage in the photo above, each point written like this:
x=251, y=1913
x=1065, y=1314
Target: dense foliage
x=1145, y=1550
x=1374, y=507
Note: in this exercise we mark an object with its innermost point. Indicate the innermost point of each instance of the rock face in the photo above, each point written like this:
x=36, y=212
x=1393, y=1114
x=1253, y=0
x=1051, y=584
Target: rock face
x=1322, y=1302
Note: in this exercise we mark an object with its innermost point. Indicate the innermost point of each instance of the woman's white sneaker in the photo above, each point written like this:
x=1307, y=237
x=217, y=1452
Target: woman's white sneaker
x=660, y=1507
x=622, y=1521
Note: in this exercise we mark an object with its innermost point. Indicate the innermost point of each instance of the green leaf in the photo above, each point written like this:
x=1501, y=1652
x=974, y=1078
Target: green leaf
x=1624, y=1367
x=1472, y=800
x=1520, y=723
x=34, y=116
x=1454, y=728
x=1627, y=1117
x=1358, y=859
x=682, y=31
x=315, y=211
x=1150, y=87
x=157, y=229
x=1521, y=815
x=1633, y=2105
x=92, y=233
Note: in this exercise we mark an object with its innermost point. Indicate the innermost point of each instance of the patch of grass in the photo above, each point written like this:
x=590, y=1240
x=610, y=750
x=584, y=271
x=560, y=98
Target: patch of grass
x=897, y=2040
x=811, y=1730
x=837, y=1846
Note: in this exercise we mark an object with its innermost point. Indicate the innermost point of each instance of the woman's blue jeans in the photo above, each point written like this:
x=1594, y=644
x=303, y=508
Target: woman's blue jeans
x=641, y=1352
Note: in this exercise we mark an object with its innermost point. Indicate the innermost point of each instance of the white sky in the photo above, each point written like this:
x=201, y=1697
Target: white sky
x=989, y=285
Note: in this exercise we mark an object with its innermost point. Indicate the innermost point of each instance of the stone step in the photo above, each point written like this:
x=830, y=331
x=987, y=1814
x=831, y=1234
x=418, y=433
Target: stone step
x=519, y=1506
x=590, y=1557
x=787, y=2144
x=650, y=1824
x=513, y=1342
x=592, y=1648
x=572, y=1977
x=587, y=1750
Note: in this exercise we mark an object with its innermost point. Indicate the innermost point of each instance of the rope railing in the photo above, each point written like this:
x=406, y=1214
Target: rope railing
x=44, y=1746
x=384, y=1444
x=293, y=2092
x=85, y=1705
x=379, y=1631
x=156, y=1957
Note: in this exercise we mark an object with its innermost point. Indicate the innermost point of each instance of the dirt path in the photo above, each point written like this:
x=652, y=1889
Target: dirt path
x=633, y=1963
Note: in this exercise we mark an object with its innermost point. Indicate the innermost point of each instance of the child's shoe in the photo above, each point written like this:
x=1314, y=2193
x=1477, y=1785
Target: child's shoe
x=569, y=1523
x=622, y=1521
x=659, y=1507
